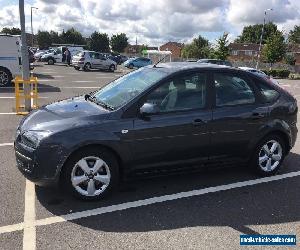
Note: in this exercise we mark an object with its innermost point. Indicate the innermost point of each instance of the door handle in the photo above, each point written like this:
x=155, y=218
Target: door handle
x=198, y=122
x=256, y=115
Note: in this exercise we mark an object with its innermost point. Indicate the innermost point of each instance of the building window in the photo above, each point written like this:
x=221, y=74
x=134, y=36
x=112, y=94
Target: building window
x=248, y=52
x=234, y=52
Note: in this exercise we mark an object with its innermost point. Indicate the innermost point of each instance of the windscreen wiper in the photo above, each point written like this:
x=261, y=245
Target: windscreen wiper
x=100, y=103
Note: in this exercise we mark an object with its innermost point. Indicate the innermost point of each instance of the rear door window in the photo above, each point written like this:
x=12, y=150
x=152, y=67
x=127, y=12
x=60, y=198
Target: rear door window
x=268, y=93
x=232, y=90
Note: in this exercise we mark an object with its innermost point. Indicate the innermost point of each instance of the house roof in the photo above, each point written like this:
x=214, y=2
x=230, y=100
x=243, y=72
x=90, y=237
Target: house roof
x=244, y=46
x=180, y=45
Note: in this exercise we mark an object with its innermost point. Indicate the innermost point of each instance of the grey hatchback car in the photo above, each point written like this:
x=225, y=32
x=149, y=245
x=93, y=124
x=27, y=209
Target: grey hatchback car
x=164, y=118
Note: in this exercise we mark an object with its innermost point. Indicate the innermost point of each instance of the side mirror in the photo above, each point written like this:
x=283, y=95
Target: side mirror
x=149, y=109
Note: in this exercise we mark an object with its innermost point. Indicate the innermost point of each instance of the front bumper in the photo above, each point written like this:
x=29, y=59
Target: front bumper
x=41, y=166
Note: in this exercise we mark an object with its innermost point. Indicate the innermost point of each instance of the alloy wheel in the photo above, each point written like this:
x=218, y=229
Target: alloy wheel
x=270, y=155
x=90, y=176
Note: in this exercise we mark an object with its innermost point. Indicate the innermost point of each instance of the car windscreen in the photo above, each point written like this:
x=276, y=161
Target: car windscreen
x=122, y=90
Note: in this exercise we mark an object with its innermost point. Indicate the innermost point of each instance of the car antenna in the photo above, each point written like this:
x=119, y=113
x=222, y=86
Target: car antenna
x=154, y=66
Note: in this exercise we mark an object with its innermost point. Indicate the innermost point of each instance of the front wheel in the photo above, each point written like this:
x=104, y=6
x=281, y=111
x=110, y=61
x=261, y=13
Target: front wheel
x=269, y=155
x=91, y=174
x=112, y=68
x=131, y=66
x=50, y=61
x=5, y=77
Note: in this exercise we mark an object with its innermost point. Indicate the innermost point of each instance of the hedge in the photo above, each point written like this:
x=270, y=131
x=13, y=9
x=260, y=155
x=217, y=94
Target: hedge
x=281, y=73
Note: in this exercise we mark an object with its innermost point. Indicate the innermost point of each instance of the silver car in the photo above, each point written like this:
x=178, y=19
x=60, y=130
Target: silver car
x=87, y=60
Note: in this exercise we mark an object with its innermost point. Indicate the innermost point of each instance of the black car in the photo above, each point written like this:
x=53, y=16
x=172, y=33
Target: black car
x=161, y=118
x=215, y=61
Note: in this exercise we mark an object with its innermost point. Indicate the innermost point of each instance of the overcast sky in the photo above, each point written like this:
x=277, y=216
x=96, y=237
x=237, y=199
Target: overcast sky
x=153, y=22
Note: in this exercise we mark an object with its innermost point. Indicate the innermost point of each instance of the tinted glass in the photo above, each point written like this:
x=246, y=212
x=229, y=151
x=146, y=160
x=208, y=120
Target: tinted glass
x=232, y=90
x=268, y=92
x=180, y=93
x=127, y=87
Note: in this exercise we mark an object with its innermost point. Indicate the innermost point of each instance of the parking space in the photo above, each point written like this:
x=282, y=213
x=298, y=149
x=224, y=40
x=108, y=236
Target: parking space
x=207, y=209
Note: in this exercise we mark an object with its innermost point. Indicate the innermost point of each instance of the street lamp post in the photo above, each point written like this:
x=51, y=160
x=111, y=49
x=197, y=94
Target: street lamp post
x=32, y=7
x=261, y=37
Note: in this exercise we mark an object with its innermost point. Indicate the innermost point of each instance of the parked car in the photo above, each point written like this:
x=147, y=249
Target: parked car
x=115, y=58
x=164, y=118
x=40, y=53
x=137, y=62
x=259, y=73
x=123, y=58
x=10, y=58
x=58, y=55
x=215, y=61
x=87, y=60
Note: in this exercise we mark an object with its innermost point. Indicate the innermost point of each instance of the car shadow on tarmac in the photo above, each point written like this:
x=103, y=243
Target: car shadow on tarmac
x=269, y=203
x=43, y=76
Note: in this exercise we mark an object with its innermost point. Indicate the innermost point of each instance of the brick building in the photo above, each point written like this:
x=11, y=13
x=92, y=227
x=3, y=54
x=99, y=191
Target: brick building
x=174, y=47
x=243, y=51
x=294, y=50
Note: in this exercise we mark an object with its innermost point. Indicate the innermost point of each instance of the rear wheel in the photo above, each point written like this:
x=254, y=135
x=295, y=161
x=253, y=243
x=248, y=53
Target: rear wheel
x=269, y=155
x=87, y=67
x=91, y=174
x=5, y=77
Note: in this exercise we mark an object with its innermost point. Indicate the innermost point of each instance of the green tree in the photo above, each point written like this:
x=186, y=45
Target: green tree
x=275, y=48
x=294, y=35
x=44, y=39
x=222, y=50
x=54, y=37
x=199, y=48
x=72, y=36
x=11, y=31
x=252, y=33
x=119, y=42
x=99, y=42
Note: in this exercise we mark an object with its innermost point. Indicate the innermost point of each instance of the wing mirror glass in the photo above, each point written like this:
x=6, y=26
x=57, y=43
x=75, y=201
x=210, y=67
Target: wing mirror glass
x=149, y=109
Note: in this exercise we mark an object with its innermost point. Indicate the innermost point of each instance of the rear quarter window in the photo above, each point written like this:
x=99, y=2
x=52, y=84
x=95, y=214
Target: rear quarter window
x=268, y=93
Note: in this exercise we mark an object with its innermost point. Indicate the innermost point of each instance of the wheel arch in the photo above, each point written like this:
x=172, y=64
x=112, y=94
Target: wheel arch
x=89, y=146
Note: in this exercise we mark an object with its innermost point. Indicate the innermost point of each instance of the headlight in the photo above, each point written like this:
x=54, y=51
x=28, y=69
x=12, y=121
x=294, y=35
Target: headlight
x=32, y=138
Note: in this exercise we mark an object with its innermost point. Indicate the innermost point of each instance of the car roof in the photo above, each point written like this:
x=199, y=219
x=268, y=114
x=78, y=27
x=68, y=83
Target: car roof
x=172, y=67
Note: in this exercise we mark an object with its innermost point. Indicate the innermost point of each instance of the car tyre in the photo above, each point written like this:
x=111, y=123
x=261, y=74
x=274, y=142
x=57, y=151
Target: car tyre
x=50, y=61
x=5, y=77
x=269, y=155
x=130, y=66
x=77, y=68
x=87, y=67
x=112, y=68
x=91, y=173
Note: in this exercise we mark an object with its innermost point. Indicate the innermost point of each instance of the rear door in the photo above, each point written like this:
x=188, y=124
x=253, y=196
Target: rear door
x=237, y=116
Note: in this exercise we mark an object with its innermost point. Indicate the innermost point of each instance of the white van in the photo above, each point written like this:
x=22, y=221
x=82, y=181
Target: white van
x=58, y=55
x=10, y=58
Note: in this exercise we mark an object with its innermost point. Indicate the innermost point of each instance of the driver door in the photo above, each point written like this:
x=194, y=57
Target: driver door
x=179, y=132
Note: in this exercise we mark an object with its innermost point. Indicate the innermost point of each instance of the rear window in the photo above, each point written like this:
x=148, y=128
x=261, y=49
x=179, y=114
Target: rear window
x=267, y=92
x=80, y=53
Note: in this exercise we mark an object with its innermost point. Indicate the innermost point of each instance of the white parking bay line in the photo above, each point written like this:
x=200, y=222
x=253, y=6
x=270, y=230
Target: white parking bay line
x=145, y=202
x=6, y=144
x=29, y=236
x=48, y=80
x=83, y=81
x=9, y=113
